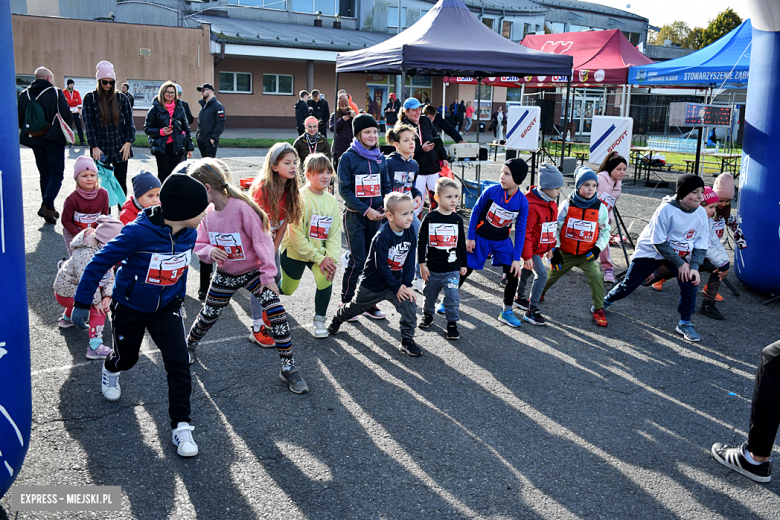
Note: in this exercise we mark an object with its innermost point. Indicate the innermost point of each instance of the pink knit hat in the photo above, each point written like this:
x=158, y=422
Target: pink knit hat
x=105, y=70
x=724, y=186
x=710, y=197
x=83, y=163
x=107, y=228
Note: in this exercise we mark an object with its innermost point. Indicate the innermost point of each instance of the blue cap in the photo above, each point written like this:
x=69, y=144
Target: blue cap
x=144, y=182
x=412, y=103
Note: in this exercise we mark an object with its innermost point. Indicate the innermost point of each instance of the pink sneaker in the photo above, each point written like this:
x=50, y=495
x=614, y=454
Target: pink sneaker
x=609, y=276
x=66, y=323
x=101, y=352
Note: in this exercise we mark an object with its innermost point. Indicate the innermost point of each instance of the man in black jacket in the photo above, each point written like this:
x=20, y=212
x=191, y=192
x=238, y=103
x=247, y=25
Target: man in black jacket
x=302, y=111
x=126, y=92
x=320, y=110
x=47, y=144
x=185, y=106
x=391, y=111
x=211, y=122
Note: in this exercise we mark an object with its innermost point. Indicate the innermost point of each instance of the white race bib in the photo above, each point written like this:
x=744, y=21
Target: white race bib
x=443, y=236
x=167, y=269
x=319, y=227
x=719, y=226
x=681, y=248
x=580, y=230
x=500, y=217
x=549, y=233
x=229, y=243
x=367, y=185
x=608, y=200
x=86, y=220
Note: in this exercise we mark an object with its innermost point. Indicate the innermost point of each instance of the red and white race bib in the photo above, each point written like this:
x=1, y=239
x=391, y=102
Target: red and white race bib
x=608, y=200
x=403, y=181
x=86, y=220
x=549, y=233
x=580, y=230
x=274, y=229
x=719, y=226
x=229, y=243
x=367, y=185
x=443, y=236
x=319, y=227
x=681, y=248
x=396, y=256
x=500, y=217
x=167, y=269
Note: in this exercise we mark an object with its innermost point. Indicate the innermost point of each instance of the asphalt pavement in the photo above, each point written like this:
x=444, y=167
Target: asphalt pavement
x=563, y=421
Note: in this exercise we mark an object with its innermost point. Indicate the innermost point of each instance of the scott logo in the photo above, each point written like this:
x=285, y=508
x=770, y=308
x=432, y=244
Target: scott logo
x=556, y=47
x=530, y=125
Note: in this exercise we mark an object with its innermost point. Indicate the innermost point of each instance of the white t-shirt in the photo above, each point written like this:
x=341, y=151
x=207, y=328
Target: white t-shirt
x=684, y=232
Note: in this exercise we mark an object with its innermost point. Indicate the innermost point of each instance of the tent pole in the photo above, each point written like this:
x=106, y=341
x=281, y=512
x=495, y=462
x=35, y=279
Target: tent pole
x=566, y=122
x=628, y=101
x=336, y=94
x=522, y=94
x=443, y=97
x=604, y=103
x=623, y=101
x=403, y=84
x=479, y=103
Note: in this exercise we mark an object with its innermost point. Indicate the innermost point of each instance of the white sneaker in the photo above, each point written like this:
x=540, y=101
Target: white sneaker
x=182, y=439
x=418, y=285
x=344, y=258
x=320, y=328
x=110, y=385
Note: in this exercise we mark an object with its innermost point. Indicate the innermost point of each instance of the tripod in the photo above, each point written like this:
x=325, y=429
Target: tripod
x=618, y=224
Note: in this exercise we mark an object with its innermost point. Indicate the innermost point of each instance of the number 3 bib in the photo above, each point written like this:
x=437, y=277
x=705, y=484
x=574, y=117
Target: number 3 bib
x=167, y=269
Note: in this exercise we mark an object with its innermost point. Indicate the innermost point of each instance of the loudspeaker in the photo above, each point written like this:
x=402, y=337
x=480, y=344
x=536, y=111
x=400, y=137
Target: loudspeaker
x=483, y=154
x=548, y=114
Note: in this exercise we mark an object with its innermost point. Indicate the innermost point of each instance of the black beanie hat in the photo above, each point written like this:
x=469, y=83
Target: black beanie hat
x=361, y=122
x=182, y=197
x=686, y=184
x=518, y=168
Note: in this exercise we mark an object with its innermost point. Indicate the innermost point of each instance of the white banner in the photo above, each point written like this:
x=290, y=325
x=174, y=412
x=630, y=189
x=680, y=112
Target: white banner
x=608, y=134
x=523, y=128
x=144, y=91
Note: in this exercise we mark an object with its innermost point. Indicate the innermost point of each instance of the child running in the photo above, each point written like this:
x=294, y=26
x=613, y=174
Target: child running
x=583, y=233
x=311, y=141
x=155, y=251
x=677, y=237
x=388, y=272
x=146, y=193
x=496, y=210
x=610, y=177
x=278, y=194
x=441, y=248
x=85, y=245
x=87, y=202
x=315, y=242
x=235, y=235
x=363, y=185
x=541, y=234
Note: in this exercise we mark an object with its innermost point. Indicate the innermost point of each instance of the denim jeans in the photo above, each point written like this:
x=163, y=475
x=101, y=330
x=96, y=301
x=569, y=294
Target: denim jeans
x=540, y=279
x=449, y=283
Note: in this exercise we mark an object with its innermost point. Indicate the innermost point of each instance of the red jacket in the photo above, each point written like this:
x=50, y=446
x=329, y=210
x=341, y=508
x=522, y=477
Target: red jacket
x=74, y=100
x=539, y=213
x=129, y=211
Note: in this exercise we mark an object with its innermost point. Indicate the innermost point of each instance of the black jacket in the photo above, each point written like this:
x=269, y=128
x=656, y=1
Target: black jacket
x=301, y=112
x=130, y=98
x=158, y=118
x=320, y=110
x=342, y=134
x=186, y=107
x=211, y=120
x=391, y=118
x=439, y=124
x=49, y=102
x=428, y=161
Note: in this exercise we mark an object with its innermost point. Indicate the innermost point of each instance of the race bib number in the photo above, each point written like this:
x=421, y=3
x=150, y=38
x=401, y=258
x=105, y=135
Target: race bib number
x=86, y=220
x=396, y=256
x=580, y=230
x=167, y=269
x=719, y=226
x=274, y=229
x=104, y=281
x=367, y=185
x=230, y=243
x=549, y=232
x=443, y=236
x=500, y=217
x=608, y=200
x=681, y=248
x=402, y=182
x=319, y=227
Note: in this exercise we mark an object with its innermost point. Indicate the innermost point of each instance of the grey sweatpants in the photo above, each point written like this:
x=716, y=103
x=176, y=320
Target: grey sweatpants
x=364, y=299
x=449, y=282
x=540, y=279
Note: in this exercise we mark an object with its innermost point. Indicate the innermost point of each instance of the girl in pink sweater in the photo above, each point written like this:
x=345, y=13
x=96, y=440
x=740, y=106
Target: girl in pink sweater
x=87, y=202
x=235, y=235
x=610, y=177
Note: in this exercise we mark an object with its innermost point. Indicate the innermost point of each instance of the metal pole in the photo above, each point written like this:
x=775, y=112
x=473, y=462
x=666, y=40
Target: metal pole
x=566, y=122
x=623, y=101
x=399, y=17
x=604, y=103
x=479, y=103
x=628, y=102
x=698, y=153
x=403, y=84
x=336, y=96
x=522, y=94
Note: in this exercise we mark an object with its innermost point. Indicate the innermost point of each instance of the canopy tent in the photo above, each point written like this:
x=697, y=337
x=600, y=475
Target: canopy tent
x=725, y=62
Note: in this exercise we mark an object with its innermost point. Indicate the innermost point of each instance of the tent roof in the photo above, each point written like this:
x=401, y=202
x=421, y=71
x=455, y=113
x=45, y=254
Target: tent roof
x=449, y=40
x=725, y=61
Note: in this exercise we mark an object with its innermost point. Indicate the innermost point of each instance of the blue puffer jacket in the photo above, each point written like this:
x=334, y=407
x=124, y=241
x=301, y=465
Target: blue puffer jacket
x=138, y=281
x=350, y=165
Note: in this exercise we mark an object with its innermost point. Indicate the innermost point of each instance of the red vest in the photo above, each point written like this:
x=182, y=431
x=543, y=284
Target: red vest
x=580, y=229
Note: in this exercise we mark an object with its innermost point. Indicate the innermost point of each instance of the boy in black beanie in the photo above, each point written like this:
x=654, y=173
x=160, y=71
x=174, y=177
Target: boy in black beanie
x=155, y=251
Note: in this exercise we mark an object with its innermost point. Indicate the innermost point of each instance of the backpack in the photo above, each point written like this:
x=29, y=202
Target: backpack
x=35, y=122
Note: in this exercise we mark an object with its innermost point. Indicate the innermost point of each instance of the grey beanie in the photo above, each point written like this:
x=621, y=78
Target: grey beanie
x=550, y=177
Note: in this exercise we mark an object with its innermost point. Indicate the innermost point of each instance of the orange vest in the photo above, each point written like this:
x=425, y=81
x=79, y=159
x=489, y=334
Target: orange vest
x=580, y=229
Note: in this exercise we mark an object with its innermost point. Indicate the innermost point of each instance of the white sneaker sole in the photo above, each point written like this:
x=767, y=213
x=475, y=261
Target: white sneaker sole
x=186, y=451
x=502, y=320
x=679, y=331
x=532, y=322
x=113, y=397
x=319, y=334
x=738, y=469
x=373, y=317
x=95, y=355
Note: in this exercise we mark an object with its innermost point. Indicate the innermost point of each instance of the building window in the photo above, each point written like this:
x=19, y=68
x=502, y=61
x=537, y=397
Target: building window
x=235, y=82
x=506, y=30
x=556, y=27
x=280, y=5
x=327, y=7
x=490, y=22
x=278, y=84
x=392, y=17
x=526, y=29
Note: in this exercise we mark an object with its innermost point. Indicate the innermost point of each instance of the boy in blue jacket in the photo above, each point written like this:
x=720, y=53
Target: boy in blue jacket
x=155, y=252
x=388, y=272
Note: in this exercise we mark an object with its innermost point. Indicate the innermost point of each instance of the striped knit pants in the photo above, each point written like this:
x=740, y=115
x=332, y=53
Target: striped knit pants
x=223, y=286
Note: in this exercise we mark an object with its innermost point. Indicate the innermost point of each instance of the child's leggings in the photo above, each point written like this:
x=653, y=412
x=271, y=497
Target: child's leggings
x=509, y=290
x=540, y=279
x=255, y=305
x=223, y=286
x=591, y=270
x=96, y=320
x=292, y=271
x=713, y=283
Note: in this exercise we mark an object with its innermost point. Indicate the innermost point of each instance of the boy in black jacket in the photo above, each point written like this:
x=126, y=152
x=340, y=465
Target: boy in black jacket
x=388, y=272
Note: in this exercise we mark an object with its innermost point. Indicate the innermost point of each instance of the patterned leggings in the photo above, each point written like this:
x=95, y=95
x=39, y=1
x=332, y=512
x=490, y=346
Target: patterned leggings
x=223, y=286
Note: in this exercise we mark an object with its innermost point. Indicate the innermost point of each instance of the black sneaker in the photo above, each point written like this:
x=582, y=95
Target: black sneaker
x=408, y=346
x=202, y=295
x=425, y=321
x=191, y=354
x=709, y=310
x=534, y=317
x=734, y=457
x=452, y=331
x=333, y=327
x=521, y=303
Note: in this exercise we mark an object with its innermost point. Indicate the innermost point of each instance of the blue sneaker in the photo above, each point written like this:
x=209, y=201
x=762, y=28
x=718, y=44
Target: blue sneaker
x=687, y=330
x=509, y=318
x=440, y=308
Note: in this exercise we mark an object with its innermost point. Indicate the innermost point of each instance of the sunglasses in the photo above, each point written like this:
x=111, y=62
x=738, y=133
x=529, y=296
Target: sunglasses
x=107, y=82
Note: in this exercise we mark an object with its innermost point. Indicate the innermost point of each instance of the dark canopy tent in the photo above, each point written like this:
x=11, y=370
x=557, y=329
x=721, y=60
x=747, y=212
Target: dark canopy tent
x=449, y=40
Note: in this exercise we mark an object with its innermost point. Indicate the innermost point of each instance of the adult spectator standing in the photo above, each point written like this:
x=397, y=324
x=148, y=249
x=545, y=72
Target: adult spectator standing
x=439, y=124
x=352, y=104
x=468, y=113
x=455, y=114
x=391, y=111
x=302, y=111
x=498, y=124
x=320, y=110
x=185, y=106
x=211, y=121
x=47, y=143
x=461, y=115
x=126, y=92
x=168, y=131
x=341, y=125
x=74, y=102
x=108, y=120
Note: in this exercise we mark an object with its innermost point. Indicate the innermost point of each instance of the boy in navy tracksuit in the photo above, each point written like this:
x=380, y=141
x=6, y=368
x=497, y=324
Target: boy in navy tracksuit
x=155, y=252
x=494, y=213
x=388, y=272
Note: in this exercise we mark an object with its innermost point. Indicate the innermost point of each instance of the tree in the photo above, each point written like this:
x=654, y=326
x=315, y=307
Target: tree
x=676, y=31
x=724, y=23
x=694, y=39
